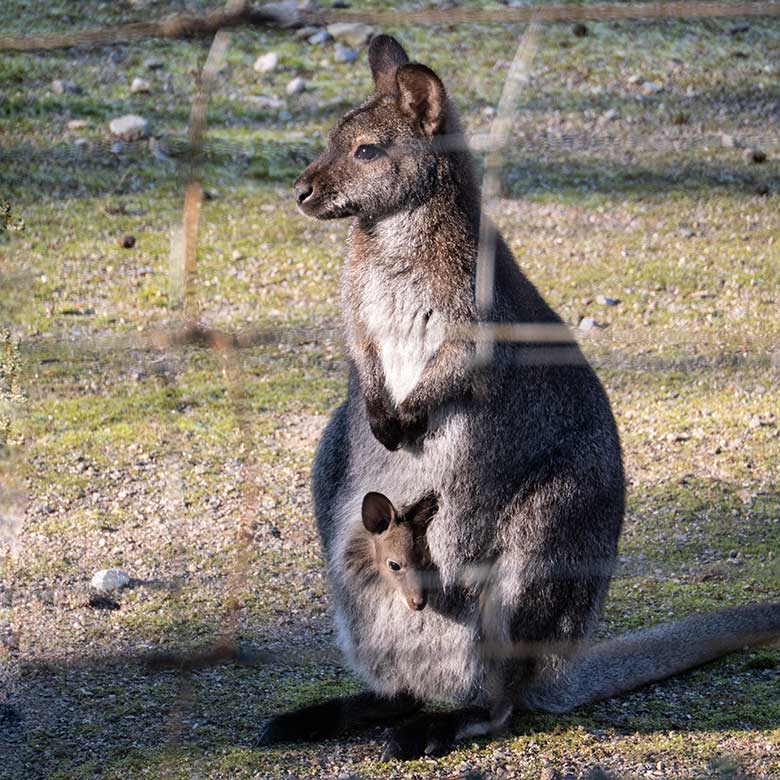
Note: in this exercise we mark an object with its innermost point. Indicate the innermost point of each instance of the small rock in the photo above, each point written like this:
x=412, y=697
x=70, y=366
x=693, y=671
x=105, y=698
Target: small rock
x=756, y=156
x=651, y=87
x=488, y=111
x=596, y=773
x=610, y=115
x=320, y=37
x=605, y=300
x=139, y=85
x=117, y=147
x=737, y=29
x=351, y=33
x=265, y=63
x=152, y=64
x=343, y=53
x=237, y=254
x=109, y=580
x=587, y=324
x=81, y=143
x=129, y=127
x=579, y=30
x=548, y=773
x=296, y=86
x=77, y=124
x=728, y=141
x=127, y=242
x=306, y=31
x=341, y=4
x=285, y=12
x=675, y=437
x=60, y=87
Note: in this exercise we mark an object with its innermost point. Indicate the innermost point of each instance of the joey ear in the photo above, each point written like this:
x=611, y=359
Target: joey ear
x=421, y=513
x=385, y=55
x=378, y=512
x=421, y=96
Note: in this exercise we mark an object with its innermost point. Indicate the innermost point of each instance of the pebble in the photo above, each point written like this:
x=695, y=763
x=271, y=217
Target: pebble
x=548, y=773
x=296, y=86
x=265, y=63
x=117, y=147
x=610, y=115
x=306, y=31
x=152, y=64
x=60, y=87
x=737, y=29
x=140, y=85
x=351, y=33
x=579, y=30
x=587, y=324
x=651, y=87
x=109, y=580
x=81, y=143
x=77, y=124
x=127, y=242
x=320, y=37
x=755, y=156
x=728, y=141
x=129, y=127
x=343, y=53
x=605, y=300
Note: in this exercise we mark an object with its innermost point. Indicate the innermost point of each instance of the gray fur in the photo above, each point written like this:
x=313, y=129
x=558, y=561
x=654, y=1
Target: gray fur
x=523, y=454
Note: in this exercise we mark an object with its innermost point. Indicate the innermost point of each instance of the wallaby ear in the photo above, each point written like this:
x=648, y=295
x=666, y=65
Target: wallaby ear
x=378, y=512
x=421, y=96
x=421, y=513
x=385, y=55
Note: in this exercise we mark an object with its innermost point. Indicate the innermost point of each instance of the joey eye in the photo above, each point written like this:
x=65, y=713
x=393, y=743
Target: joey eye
x=368, y=152
x=394, y=566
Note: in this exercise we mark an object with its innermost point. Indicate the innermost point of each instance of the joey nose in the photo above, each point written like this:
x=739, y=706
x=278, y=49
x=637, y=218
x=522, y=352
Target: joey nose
x=303, y=190
x=417, y=603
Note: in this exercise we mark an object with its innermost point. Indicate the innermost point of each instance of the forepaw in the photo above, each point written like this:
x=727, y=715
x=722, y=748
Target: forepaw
x=386, y=427
x=413, y=423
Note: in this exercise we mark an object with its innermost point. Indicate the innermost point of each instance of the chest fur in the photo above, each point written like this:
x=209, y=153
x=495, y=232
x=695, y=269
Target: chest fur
x=401, y=319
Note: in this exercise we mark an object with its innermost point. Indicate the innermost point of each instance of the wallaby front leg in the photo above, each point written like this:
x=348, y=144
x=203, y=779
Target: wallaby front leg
x=449, y=376
x=334, y=717
x=382, y=415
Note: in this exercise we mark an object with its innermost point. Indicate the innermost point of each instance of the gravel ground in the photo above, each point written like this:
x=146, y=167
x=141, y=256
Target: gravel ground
x=630, y=178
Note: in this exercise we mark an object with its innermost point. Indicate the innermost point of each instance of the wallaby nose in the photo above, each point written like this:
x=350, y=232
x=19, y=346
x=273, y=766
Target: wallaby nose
x=302, y=191
x=417, y=602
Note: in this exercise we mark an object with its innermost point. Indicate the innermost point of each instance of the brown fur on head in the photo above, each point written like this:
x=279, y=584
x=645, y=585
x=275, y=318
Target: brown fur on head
x=382, y=158
x=400, y=551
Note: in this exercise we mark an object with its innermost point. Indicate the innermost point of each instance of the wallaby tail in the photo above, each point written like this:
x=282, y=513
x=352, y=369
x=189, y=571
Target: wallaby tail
x=630, y=661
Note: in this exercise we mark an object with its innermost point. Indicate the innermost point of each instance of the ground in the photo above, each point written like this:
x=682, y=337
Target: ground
x=628, y=177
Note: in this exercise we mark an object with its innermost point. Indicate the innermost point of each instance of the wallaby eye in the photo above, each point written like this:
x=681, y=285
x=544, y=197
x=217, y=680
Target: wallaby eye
x=368, y=152
x=394, y=566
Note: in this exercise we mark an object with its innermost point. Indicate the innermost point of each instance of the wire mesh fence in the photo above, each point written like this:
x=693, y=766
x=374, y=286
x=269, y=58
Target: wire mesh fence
x=172, y=345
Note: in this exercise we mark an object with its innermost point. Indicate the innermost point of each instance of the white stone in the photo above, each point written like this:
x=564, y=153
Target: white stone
x=265, y=63
x=352, y=33
x=109, y=580
x=140, y=85
x=296, y=86
x=77, y=124
x=129, y=127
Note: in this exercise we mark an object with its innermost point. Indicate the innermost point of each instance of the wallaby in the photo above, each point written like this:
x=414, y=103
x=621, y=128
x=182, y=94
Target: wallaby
x=521, y=451
x=392, y=545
